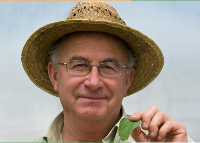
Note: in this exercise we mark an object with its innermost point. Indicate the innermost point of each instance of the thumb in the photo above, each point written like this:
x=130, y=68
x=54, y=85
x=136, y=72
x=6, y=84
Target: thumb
x=138, y=135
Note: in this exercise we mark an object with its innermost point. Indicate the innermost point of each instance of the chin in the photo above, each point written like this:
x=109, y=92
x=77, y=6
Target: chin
x=93, y=113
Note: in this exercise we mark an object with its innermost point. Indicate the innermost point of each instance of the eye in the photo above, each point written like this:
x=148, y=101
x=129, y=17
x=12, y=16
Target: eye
x=78, y=66
x=108, y=67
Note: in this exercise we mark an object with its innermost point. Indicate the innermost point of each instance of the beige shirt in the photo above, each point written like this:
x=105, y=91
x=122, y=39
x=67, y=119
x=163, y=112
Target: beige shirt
x=54, y=132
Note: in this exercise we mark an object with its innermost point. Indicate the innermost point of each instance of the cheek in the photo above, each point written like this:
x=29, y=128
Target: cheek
x=117, y=87
x=122, y=87
x=68, y=84
x=67, y=88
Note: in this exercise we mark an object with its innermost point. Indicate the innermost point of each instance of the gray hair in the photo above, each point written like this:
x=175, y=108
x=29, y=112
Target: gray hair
x=131, y=58
x=53, y=55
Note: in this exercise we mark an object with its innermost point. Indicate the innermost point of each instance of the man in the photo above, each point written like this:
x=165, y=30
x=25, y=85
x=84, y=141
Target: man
x=91, y=61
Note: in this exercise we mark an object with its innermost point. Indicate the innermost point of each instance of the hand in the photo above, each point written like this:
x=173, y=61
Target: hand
x=161, y=127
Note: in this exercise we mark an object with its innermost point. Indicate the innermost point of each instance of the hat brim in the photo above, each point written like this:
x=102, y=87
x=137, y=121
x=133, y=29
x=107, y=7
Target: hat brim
x=34, y=56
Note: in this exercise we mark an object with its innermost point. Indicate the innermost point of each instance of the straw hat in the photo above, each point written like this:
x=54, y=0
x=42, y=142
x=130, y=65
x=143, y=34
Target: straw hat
x=91, y=16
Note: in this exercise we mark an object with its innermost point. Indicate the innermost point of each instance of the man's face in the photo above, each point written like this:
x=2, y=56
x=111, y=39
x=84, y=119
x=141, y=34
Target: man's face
x=92, y=96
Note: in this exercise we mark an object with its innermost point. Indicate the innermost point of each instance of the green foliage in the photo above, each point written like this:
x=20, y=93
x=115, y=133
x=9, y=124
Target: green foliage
x=125, y=128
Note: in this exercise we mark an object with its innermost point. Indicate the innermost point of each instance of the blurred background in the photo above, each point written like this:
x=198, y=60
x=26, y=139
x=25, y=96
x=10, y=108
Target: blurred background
x=26, y=111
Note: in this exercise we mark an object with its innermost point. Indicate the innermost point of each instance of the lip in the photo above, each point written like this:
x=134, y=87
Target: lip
x=93, y=98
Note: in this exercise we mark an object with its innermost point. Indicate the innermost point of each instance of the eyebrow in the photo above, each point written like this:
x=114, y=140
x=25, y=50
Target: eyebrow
x=79, y=58
x=87, y=60
x=110, y=60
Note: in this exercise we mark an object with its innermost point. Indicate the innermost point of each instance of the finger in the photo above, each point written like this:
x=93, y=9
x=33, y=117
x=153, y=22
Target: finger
x=138, y=135
x=148, y=116
x=156, y=122
x=171, y=129
x=137, y=116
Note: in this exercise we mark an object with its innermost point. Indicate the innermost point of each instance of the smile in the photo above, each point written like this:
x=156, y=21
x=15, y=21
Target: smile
x=92, y=98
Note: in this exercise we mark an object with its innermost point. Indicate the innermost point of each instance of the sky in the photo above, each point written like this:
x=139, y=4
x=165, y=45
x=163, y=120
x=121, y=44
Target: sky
x=26, y=111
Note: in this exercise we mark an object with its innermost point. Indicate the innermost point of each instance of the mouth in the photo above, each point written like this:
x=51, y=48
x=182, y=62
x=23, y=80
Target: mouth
x=93, y=98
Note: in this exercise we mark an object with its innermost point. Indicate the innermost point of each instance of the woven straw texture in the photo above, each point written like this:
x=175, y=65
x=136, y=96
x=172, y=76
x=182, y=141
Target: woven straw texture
x=91, y=16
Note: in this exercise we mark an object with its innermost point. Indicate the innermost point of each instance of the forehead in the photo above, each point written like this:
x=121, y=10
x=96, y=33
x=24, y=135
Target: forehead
x=86, y=44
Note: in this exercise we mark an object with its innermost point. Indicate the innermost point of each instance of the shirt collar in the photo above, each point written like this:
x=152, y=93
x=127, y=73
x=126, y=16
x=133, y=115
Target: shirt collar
x=54, y=131
x=113, y=135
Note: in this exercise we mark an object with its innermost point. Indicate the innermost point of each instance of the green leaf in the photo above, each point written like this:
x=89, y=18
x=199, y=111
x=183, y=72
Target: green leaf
x=125, y=128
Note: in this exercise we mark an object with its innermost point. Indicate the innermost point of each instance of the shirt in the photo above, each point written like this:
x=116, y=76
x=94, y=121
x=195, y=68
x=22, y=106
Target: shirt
x=54, y=132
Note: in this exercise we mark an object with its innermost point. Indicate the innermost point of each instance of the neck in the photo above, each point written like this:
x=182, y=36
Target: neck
x=79, y=130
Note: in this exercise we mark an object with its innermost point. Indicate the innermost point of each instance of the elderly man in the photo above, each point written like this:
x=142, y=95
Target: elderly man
x=91, y=61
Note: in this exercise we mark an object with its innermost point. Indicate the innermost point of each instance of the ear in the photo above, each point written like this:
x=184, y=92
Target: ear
x=52, y=71
x=129, y=79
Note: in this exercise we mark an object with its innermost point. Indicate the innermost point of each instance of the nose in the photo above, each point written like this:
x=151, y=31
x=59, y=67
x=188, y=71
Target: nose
x=93, y=80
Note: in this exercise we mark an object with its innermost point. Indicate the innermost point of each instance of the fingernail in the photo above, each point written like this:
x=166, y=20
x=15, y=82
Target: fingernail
x=151, y=133
x=159, y=138
x=144, y=124
x=133, y=116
